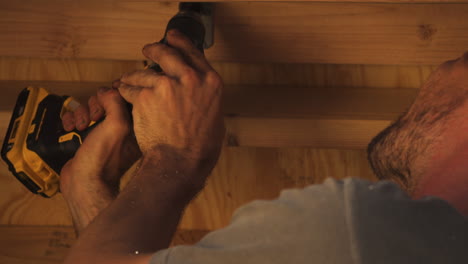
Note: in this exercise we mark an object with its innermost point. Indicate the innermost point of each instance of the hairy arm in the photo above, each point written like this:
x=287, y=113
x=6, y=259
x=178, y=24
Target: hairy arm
x=143, y=218
x=90, y=181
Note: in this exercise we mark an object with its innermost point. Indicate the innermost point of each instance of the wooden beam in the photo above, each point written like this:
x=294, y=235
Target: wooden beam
x=50, y=69
x=233, y=74
x=261, y=100
x=316, y=102
x=317, y=133
x=50, y=244
x=356, y=33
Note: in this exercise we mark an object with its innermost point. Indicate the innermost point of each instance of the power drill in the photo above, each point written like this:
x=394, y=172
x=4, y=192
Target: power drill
x=36, y=147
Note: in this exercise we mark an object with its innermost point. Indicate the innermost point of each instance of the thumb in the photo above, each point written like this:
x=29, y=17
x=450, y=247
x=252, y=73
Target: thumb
x=114, y=105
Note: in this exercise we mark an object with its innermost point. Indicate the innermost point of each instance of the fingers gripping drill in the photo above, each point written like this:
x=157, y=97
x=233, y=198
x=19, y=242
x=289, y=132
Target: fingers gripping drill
x=36, y=147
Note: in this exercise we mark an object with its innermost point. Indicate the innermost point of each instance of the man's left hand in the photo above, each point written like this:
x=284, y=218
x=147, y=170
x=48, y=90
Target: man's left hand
x=90, y=181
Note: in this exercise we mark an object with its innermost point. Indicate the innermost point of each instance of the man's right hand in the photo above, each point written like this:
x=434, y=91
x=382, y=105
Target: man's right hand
x=178, y=110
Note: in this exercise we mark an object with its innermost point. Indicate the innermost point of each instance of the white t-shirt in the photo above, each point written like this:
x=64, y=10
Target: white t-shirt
x=349, y=221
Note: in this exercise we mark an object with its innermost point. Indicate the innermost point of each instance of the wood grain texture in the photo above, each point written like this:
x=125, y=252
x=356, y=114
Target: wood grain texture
x=260, y=100
x=246, y=174
x=289, y=132
x=316, y=102
x=342, y=33
x=241, y=175
x=324, y=75
x=235, y=74
x=49, y=245
x=85, y=70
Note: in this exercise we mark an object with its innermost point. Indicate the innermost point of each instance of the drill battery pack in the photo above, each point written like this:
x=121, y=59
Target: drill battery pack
x=36, y=146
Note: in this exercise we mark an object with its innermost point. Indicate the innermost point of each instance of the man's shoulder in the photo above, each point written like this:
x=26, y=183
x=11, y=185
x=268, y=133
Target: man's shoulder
x=334, y=222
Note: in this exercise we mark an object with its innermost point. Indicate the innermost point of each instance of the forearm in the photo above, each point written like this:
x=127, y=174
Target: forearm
x=89, y=184
x=144, y=216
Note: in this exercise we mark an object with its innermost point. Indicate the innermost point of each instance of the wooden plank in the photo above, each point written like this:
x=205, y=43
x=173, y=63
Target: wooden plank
x=47, y=245
x=246, y=174
x=85, y=70
x=355, y=33
x=241, y=175
x=318, y=133
x=259, y=100
x=20, y=245
x=317, y=102
x=324, y=75
x=236, y=74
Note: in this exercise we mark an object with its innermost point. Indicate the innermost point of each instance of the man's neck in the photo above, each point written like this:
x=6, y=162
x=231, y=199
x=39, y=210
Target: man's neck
x=446, y=175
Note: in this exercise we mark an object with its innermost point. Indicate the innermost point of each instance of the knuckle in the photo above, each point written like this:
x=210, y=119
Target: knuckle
x=165, y=50
x=113, y=93
x=163, y=81
x=80, y=110
x=67, y=117
x=146, y=48
x=213, y=80
x=195, y=53
x=190, y=77
x=125, y=76
x=93, y=102
x=152, y=47
x=92, y=105
x=110, y=97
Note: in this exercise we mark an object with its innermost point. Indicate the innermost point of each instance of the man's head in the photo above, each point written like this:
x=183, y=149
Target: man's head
x=431, y=128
